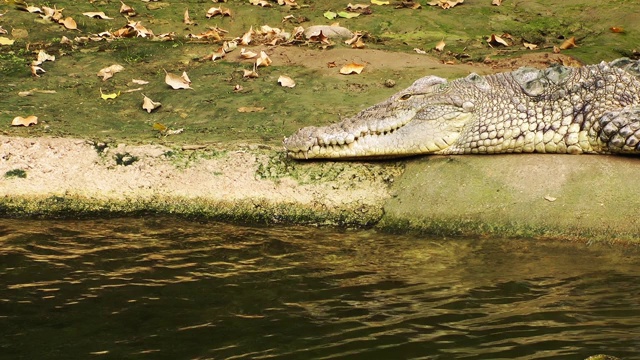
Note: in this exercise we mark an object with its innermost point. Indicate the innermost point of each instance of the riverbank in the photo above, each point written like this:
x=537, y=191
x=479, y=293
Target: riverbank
x=583, y=198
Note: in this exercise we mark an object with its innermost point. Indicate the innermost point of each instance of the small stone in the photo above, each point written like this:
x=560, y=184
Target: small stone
x=389, y=83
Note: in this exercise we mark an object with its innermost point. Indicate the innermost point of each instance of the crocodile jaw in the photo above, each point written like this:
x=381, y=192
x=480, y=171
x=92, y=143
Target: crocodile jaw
x=402, y=135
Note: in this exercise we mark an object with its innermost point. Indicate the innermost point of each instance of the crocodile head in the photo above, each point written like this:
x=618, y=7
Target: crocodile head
x=425, y=118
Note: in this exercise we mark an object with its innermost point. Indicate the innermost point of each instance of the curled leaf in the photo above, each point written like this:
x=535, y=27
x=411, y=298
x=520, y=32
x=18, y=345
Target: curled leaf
x=419, y=51
x=351, y=68
x=43, y=56
x=440, y=46
x=35, y=70
x=286, y=81
x=69, y=23
x=529, y=46
x=96, y=15
x=127, y=10
x=28, y=121
x=149, y=105
x=218, y=11
x=187, y=19
x=246, y=38
x=247, y=54
x=263, y=60
x=495, y=40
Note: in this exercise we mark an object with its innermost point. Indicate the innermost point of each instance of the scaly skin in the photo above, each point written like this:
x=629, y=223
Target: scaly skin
x=592, y=109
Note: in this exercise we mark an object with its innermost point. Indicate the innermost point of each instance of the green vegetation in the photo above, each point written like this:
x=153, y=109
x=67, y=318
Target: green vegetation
x=15, y=173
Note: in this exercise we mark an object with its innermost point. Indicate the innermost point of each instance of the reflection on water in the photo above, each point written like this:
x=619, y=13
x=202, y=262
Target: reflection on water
x=169, y=289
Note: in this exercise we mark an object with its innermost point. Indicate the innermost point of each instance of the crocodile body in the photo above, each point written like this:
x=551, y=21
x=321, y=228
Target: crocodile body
x=591, y=109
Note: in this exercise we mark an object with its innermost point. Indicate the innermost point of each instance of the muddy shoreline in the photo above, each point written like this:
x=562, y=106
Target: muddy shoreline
x=579, y=198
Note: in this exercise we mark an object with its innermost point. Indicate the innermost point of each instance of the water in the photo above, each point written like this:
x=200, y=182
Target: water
x=168, y=289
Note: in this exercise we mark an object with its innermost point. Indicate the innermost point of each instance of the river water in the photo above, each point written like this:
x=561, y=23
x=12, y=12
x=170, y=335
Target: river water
x=162, y=288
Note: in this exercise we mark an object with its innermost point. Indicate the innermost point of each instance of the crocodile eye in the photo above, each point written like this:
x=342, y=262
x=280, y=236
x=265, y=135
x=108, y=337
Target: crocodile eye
x=405, y=97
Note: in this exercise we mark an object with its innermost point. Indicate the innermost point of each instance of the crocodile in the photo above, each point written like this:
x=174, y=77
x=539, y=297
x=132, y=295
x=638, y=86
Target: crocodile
x=593, y=109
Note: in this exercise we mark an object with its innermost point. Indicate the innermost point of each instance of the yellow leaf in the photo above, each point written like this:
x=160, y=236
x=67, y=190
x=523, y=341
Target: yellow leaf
x=160, y=127
x=109, y=96
x=352, y=68
x=28, y=121
x=440, y=46
x=6, y=41
x=378, y=2
x=568, y=44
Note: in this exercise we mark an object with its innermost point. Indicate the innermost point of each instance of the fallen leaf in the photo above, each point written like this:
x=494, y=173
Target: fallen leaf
x=321, y=38
x=3, y=31
x=352, y=68
x=616, y=29
x=6, y=41
x=495, y=40
x=96, y=15
x=149, y=104
x=348, y=15
x=556, y=50
x=529, y=45
x=496, y=2
x=25, y=93
x=69, y=23
x=36, y=69
x=238, y=88
x=251, y=74
x=109, y=71
x=419, y=51
x=139, y=82
x=354, y=7
x=247, y=54
x=185, y=77
x=65, y=40
x=247, y=109
x=218, y=11
x=568, y=44
x=286, y=81
x=132, y=90
x=409, y=4
x=331, y=64
x=262, y=3
x=213, y=34
x=28, y=121
x=187, y=19
x=378, y=2
x=246, y=38
x=550, y=198
x=330, y=15
x=263, y=60
x=218, y=54
x=440, y=46
x=176, y=82
x=160, y=127
x=109, y=96
x=127, y=10
x=43, y=56
x=445, y=4
x=229, y=46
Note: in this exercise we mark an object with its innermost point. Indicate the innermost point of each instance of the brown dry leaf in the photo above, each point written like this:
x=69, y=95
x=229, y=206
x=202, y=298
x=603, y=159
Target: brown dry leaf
x=35, y=69
x=556, y=50
x=69, y=23
x=495, y=40
x=218, y=54
x=496, y=2
x=212, y=34
x=247, y=109
x=109, y=71
x=28, y=121
x=568, y=44
x=321, y=38
x=445, y=4
x=247, y=54
x=440, y=46
x=238, y=88
x=127, y=10
x=140, y=30
x=187, y=19
x=331, y=64
x=43, y=56
x=286, y=81
x=97, y=15
x=139, y=82
x=34, y=9
x=263, y=60
x=355, y=7
x=262, y=3
x=218, y=11
x=149, y=105
x=170, y=36
x=177, y=82
x=530, y=46
x=616, y=29
x=251, y=74
x=352, y=68
x=246, y=38
x=356, y=41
